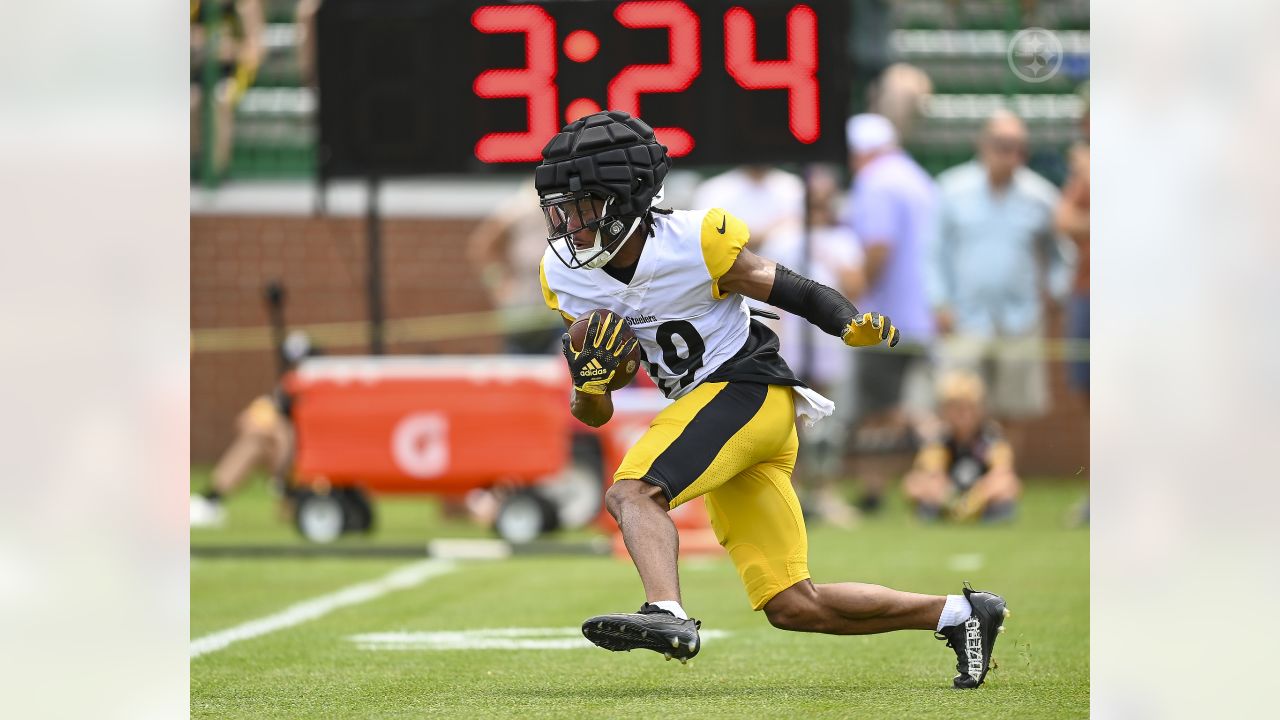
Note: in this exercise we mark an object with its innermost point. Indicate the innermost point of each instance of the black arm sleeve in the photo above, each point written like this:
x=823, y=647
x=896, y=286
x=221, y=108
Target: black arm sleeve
x=824, y=307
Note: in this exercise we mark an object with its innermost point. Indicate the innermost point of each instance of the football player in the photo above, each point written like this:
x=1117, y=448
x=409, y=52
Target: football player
x=680, y=279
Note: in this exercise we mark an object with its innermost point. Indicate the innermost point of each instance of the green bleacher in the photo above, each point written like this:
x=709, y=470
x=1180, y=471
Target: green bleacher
x=275, y=122
x=962, y=45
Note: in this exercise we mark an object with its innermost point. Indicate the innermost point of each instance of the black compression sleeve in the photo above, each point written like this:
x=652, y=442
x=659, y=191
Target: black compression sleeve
x=824, y=307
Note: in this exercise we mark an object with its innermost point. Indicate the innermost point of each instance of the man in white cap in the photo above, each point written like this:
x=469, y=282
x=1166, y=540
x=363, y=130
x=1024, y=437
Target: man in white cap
x=892, y=208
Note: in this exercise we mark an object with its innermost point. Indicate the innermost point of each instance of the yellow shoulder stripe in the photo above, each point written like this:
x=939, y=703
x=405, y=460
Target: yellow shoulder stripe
x=723, y=237
x=548, y=295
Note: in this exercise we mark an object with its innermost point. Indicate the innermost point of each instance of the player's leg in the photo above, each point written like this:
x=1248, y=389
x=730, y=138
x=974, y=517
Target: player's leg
x=640, y=510
x=852, y=609
x=757, y=518
x=692, y=447
x=759, y=521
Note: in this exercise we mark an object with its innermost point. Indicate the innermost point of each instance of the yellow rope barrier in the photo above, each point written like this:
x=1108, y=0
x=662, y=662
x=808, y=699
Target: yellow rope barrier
x=454, y=326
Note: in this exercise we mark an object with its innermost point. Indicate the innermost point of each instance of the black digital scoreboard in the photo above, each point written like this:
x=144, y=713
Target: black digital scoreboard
x=414, y=87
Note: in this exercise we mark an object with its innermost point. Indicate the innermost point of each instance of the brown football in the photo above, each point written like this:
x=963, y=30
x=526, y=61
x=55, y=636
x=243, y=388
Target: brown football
x=630, y=362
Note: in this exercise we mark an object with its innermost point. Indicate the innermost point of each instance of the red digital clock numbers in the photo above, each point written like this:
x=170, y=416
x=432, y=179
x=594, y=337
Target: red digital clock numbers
x=682, y=41
x=796, y=74
x=536, y=81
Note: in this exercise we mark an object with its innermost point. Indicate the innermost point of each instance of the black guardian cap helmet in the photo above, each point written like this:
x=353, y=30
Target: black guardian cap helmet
x=610, y=157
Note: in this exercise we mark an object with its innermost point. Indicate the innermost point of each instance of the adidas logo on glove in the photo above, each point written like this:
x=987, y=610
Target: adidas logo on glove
x=594, y=369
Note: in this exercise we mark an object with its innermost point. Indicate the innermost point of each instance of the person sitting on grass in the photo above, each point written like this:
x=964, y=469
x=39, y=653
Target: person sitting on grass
x=965, y=471
x=264, y=440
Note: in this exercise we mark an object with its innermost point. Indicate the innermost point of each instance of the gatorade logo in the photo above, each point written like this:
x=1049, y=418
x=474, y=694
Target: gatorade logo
x=420, y=445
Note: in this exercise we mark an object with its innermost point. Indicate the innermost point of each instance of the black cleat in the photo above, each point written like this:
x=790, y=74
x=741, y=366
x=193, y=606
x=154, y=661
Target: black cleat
x=652, y=628
x=975, y=638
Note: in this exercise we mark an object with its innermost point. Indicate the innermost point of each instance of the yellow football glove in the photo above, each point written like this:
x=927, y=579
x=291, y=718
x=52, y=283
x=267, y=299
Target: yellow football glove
x=869, y=329
x=593, y=367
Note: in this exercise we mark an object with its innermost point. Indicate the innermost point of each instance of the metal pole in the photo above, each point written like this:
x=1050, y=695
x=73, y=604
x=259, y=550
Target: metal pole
x=274, y=296
x=373, y=234
x=806, y=253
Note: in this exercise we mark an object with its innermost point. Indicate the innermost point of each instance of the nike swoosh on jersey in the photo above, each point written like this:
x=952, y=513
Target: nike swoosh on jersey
x=723, y=221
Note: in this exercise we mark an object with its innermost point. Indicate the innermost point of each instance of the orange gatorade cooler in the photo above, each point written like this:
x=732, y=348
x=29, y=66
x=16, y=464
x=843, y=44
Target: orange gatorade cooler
x=442, y=425
x=429, y=424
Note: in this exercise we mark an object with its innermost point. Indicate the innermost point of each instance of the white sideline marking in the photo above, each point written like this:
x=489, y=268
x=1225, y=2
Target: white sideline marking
x=967, y=562
x=405, y=577
x=469, y=549
x=569, y=638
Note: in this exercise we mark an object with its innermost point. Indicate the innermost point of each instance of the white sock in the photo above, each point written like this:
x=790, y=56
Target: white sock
x=674, y=608
x=956, y=611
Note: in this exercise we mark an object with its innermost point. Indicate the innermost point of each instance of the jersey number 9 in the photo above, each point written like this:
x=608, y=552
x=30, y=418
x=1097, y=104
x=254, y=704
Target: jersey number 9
x=686, y=367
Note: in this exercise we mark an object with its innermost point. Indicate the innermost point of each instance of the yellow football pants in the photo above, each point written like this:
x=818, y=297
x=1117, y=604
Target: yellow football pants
x=736, y=444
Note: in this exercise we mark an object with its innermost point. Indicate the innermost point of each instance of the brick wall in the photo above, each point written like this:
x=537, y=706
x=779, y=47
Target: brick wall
x=1058, y=443
x=321, y=262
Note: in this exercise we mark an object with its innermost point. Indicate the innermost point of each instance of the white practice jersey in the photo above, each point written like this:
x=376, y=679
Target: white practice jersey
x=689, y=330
x=686, y=327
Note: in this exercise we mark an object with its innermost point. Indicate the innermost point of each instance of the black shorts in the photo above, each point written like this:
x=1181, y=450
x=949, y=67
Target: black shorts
x=880, y=380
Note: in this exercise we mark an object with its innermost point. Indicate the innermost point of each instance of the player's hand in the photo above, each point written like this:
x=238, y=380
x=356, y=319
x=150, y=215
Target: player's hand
x=592, y=367
x=870, y=329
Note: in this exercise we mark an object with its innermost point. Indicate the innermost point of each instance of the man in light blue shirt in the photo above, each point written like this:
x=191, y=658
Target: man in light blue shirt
x=996, y=253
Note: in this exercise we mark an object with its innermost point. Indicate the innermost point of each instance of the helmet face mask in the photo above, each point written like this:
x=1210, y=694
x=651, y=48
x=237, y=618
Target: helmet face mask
x=599, y=179
x=574, y=217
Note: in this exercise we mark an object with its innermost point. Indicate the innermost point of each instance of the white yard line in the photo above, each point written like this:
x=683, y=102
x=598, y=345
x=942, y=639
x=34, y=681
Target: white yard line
x=401, y=579
x=966, y=562
x=569, y=638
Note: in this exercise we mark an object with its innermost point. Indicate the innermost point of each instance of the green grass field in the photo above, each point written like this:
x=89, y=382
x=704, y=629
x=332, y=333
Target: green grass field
x=314, y=668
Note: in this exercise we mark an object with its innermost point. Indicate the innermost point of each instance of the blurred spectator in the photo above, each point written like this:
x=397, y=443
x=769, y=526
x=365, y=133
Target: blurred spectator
x=238, y=28
x=304, y=17
x=899, y=95
x=892, y=209
x=1072, y=220
x=504, y=246
x=263, y=441
x=965, y=469
x=996, y=254
x=763, y=197
x=834, y=258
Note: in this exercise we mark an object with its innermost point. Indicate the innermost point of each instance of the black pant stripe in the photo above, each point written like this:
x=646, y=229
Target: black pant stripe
x=692, y=452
